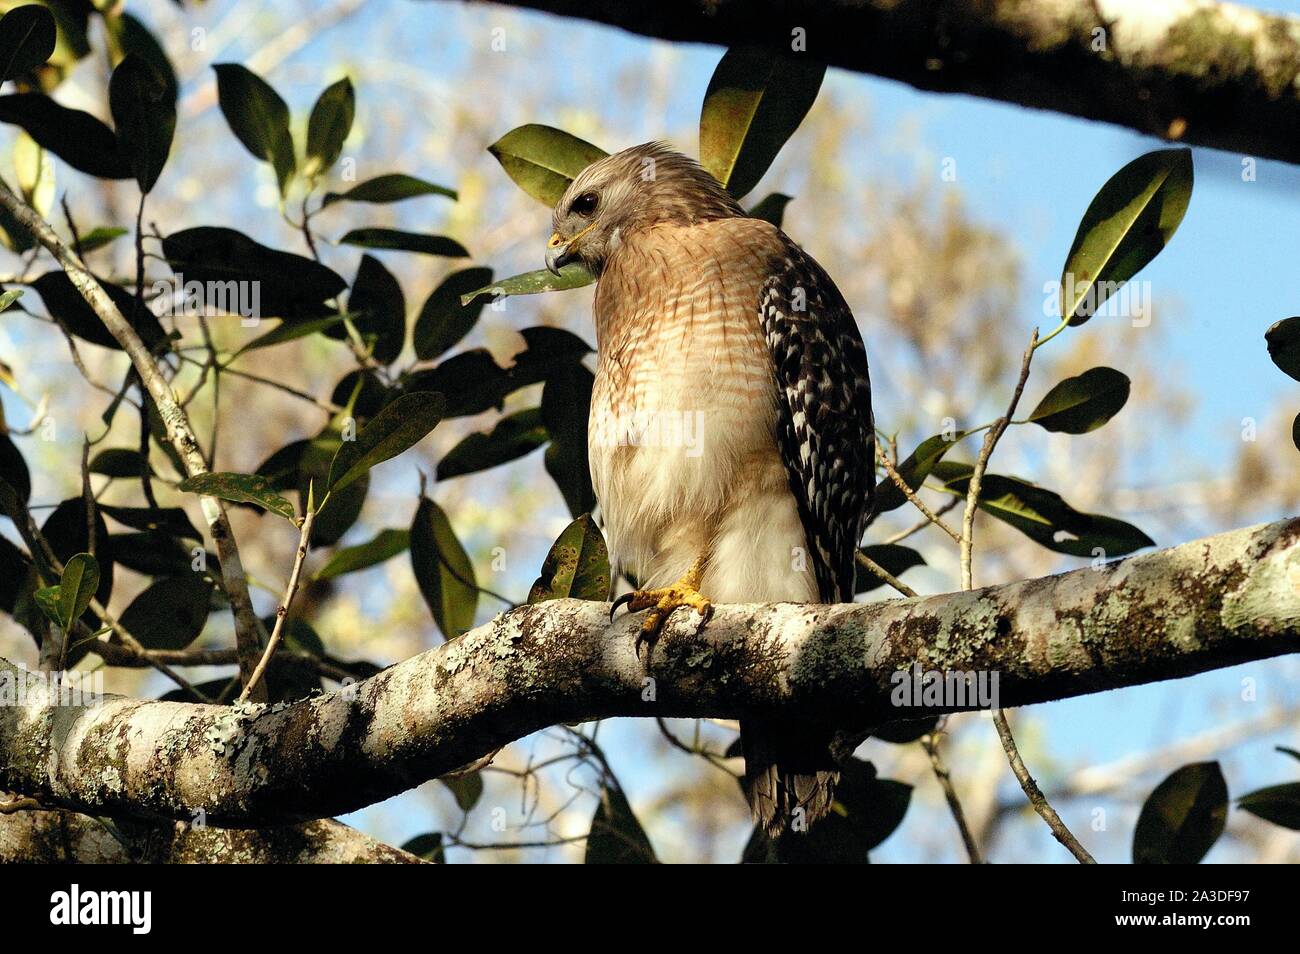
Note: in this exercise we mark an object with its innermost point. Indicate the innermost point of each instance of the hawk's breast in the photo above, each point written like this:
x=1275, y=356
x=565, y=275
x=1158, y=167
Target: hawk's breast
x=684, y=405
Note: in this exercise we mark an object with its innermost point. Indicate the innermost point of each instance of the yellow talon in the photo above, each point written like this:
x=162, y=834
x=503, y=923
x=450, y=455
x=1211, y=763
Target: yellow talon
x=661, y=603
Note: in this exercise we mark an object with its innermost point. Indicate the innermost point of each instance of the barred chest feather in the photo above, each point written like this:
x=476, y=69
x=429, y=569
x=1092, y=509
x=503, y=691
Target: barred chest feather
x=682, y=435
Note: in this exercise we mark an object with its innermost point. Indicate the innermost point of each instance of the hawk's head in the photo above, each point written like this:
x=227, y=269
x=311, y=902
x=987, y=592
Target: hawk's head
x=634, y=189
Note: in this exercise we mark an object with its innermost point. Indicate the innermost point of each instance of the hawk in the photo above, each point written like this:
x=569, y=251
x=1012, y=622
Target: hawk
x=731, y=438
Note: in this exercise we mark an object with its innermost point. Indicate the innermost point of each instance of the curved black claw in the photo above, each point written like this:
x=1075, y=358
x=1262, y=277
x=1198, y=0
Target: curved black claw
x=646, y=638
x=621, y=601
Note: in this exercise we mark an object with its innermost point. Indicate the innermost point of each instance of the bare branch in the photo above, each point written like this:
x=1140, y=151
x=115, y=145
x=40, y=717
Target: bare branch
x=1207, y=604
x=1209, y=74
x=282, y=611
x=58, y=837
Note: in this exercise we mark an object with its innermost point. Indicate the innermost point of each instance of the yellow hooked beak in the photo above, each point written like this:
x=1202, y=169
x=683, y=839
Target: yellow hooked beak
x=557, y=253
x=559, y=250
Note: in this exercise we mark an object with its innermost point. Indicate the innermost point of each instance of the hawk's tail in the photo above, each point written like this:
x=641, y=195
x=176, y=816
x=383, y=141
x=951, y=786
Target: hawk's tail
x=790, y=774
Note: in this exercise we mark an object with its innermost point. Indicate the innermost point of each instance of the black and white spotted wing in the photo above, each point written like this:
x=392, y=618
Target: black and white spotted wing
x=825, y=429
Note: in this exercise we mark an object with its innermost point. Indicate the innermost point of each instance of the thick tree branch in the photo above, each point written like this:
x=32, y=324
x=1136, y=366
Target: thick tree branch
x=1203, y=605
x=248, y=629
x=58, y=837
x=1211, y=74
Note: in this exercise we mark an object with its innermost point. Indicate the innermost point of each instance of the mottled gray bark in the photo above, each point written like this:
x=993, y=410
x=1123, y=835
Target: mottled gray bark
x=1203, y=605
x=58, y=837
x=1211, y=74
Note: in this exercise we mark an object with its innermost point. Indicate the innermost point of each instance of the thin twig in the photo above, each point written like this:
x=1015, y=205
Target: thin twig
x=911, y=495
x=920, y=524
x=329, y=406
x=991, y=438
x=880, y=571
x=930, y=742
x=119, y=654
x=1027, y=783
x=304, y=541
x=713, y=758
x=1035, y=794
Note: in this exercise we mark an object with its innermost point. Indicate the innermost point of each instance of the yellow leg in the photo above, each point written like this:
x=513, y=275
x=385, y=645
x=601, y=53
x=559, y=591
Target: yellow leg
x=661, y=602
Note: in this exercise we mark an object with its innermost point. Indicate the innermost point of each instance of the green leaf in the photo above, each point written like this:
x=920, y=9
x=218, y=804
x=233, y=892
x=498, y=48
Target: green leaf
x=576, y=567
x=171, y=613
x=9, y=297
x=73, y=44
x=290, y=331
x=754, y=103
x=119, y=462
x=904, y=730
x=156, y=554
x=892, y=557
x=27, y=37
x=543, y=161
x=1127, y=224
x=914, y=469
x=170, y=520
x=76, y=137
x=128, y=36
x=50, y=601
x=566, y=406
x=242, y=488
x=471, y=382
x=468, y=789
x=1283, y=340
x=513, y=436
x=328, y=127
x=573, y=275
x=1044, y=516
x=336, y=515
x=1183, y=817
x=444, y=320
x=287, y=285
x=400, y=241
x=258, y=117
x=386, y=545
x=65, y=304
x=145, y=116
x=548, y=350
x=616, y=837
x=77, y=588
x=13, y=469
x=19, y=584
x=67, y=532
x=771, y=209
x=400, y=425
x=377, y=302
x=393, y=187
x=1084, y=403
x=363, y=390
x=1279, y=804
x=428, y=846
x=98, y=237
x=442, y=570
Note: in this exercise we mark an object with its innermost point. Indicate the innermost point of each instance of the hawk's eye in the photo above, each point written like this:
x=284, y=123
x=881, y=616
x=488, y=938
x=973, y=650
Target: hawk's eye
x=585, y=204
